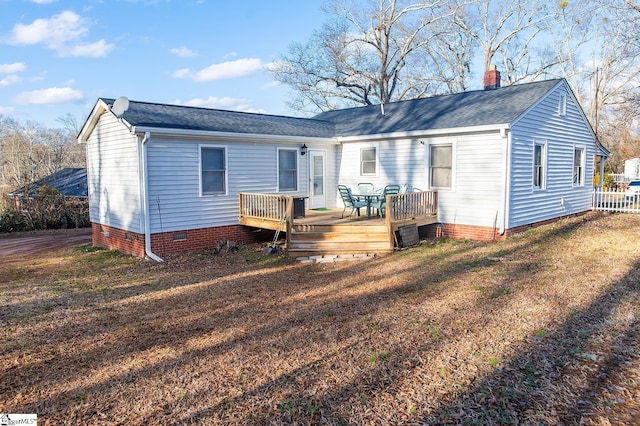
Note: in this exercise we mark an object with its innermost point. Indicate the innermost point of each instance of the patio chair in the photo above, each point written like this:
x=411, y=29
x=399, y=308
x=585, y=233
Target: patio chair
x=406, y=188
x=349, y=201
x=382, y=200
x=365, y=188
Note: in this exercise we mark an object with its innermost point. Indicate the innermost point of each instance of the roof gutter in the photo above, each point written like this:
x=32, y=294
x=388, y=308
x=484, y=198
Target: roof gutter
x=145, y=197
x=502, y=128
x=229, y=136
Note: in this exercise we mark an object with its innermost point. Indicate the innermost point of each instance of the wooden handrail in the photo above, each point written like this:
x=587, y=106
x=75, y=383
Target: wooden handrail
x=411, y=205
x=272, y=207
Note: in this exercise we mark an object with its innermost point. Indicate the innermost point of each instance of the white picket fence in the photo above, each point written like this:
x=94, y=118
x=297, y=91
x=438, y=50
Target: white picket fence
x=614, y=200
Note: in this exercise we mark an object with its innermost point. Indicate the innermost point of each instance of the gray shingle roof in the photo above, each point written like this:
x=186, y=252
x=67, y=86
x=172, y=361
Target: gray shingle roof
x=467, y=109
x=476, y=108
x=165, y=116
x=71, y=182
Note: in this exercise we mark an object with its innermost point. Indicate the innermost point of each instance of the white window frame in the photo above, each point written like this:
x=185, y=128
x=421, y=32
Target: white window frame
x=544, y=146
x=377, y=160
x=562, y=105
x=582, y=167
x=225, y=170
x=452, y=186
x=297, y=179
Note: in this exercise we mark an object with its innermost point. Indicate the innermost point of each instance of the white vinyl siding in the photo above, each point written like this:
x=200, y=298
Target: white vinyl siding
x=477, y=173
x=174, y=181
x=478, y=177
x=561, y=134
x=398, y=162
x=112, y=175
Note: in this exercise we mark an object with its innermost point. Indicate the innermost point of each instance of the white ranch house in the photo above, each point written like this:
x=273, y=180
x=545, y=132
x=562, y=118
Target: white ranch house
x=168, y=178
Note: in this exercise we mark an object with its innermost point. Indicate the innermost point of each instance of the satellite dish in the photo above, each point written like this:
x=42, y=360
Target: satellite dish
x=120, y=106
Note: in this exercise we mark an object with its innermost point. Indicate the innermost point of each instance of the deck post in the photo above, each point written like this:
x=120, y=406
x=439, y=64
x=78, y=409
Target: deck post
x=387, y=218
x=289, y=216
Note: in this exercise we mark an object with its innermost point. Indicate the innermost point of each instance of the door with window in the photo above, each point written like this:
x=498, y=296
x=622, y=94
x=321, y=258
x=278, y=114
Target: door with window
x=317, y=180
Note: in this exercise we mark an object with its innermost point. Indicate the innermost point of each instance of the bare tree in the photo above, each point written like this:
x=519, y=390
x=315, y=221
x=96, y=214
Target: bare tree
x=451, y=52
x=369, y=53
x=511, y=31
x=633, y=5
x=598, y=42
x=30, y=151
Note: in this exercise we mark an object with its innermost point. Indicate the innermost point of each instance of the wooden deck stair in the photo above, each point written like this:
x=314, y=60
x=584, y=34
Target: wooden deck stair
x=330, y=232
x=318, y=239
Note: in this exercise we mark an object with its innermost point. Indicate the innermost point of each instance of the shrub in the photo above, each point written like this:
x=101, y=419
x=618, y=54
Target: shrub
x=12, y=221
x=48, y=211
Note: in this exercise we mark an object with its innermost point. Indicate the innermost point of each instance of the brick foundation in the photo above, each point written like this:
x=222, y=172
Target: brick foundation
x=198, y=239
x=169, y=242
x=117, y=239
x=447, y=230
x=541, y=223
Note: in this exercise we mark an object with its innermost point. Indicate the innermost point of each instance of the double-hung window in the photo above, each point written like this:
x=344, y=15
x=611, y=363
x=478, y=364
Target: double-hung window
x=539, y=159
x=213, y=170
x=287, y=169
x=368, y=161
x=440, y=166
x=578, y=167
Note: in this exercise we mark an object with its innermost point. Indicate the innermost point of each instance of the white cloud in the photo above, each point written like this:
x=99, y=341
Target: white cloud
x=98, y=49
x=224, y=70
x=43, y=1
x=9, y=80
x=52, y=95
x=230, y=55
x=6, y=110
x=271, y=85
x=228, y=103
x=59, y=29
x=182, y=73
x=183, y=52
x=61, y=33
x=12, y=68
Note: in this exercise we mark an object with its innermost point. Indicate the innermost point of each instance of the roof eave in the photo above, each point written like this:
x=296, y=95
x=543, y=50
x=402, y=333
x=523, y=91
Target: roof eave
x=98, y=109
x=501, y=128
x=229, y=136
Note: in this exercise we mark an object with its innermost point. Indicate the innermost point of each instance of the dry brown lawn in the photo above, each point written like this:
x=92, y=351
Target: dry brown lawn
x=540, y=329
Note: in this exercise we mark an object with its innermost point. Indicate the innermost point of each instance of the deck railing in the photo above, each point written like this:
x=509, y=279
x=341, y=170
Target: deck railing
x=263, y=206
x=412, y=205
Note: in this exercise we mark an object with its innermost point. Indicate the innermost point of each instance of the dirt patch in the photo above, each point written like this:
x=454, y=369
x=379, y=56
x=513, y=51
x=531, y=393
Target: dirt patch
x=30, y=243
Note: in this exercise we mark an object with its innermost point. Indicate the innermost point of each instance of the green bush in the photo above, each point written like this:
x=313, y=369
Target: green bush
x=12, y=221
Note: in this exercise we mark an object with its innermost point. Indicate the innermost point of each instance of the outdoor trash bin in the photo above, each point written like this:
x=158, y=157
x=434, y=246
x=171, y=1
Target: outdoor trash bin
x=298, y=207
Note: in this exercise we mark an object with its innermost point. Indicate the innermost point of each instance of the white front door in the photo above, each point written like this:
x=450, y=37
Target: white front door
x=317, y=183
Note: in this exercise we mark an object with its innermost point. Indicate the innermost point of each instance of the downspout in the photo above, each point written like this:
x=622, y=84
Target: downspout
x=145, y=199
x=602, y=161
x=506, y=194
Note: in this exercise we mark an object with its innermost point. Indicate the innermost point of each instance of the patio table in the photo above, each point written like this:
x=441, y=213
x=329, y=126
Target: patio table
x=368, y=197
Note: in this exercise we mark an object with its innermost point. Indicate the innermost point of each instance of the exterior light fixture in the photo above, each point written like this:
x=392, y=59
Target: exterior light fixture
x=303, y=149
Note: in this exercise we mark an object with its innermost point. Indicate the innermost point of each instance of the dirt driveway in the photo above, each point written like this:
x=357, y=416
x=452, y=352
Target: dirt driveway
x=27, y=243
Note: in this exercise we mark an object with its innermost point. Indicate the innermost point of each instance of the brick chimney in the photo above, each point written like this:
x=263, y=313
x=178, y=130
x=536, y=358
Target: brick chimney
x=491, y=78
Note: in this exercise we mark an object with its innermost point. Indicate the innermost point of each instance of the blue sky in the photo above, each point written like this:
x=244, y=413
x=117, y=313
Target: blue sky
x=58, y=57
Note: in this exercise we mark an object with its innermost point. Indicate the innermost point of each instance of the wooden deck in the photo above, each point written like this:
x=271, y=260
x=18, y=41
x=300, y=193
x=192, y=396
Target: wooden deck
x=324, y=232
